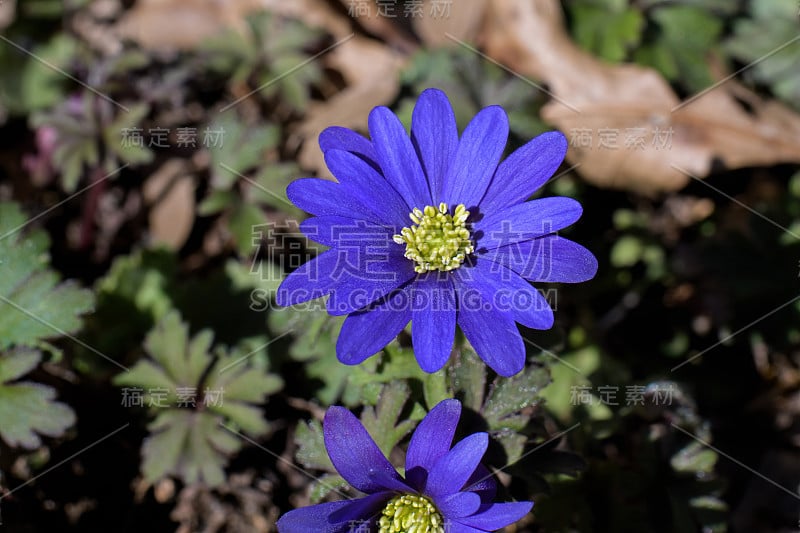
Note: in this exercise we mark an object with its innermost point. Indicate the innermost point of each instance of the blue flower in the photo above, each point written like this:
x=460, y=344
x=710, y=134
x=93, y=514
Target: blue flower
x=446, y=489
x=435, y=230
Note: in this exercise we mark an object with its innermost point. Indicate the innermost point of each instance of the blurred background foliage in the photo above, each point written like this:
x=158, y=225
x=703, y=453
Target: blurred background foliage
x=146, y=381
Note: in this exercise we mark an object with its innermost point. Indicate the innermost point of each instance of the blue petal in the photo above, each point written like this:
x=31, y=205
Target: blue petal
x=525, y=221
x=433, y=320
x=482, y=483
x=367, y=275
x=331, y=230
x=524, y=171
x=435, y=136
x=339, y=138
x=391, y=483
x=498, y=515
x=313, y=519
x=364, y=265
x=492, y=333
x=508, y=292
x=459, y=504
x=324, y=197
x=550, y=258
x=309, y=281
x=431, y=440
x=353, y=452
x=365, y=333
x=362, y=509
x=452, y=470
x=355, y=174
x=397, y=157
x=476, y=158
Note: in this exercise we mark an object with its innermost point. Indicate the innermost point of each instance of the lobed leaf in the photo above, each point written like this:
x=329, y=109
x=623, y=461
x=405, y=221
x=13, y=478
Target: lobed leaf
x=27, y=410
x=34, y=307
x=210, y=396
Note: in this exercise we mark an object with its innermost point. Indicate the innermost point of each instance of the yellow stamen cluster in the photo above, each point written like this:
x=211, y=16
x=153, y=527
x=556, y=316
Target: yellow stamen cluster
x=410, y=513
x=437, y=240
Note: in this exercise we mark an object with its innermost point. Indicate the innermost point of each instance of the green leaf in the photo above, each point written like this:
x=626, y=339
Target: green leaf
x=311, y=452
x=136, y=291
x=33, y=305
x=27, y=409
x=434, y=388
x=506, y=409
x=16, y=364
x=686, y=35
x=267, y=58
x=241, y=148
x=29, y=83
x=168, y=344
x=469, y=378
x=129, y=60
x=205, y=393
x=229, y=53
x=764, y=39
x=130, y=153
x=326, y=484
x=382, y=421
x=146, y=374
x=471, y=83
x=191, y=445
x=246, y=417
x=143, y=279
x=695, y=457
x=217, y=201
x=243, y=219
x=270, y=188
x=604, y=32
x=504, y=406
x=314, y=343
x=143, y=287
x=513, y=444
x=280, y=45
x=627, y=251
x=243, y=383
x=398, y=363
x=319, y=331
x=718, y=7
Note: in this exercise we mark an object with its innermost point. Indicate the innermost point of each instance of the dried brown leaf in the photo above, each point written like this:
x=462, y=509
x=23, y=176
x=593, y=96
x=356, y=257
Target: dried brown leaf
x=380, y=21
x=435, y=24
x=372, y=72
x=7, y=12
x=658, y=138
x=170, y=192
x=170, y=25
x=313, y=13
x=370, y=68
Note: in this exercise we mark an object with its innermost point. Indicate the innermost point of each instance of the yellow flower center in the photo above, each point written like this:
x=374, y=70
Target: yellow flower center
x=437, y=240
x=409, y=513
